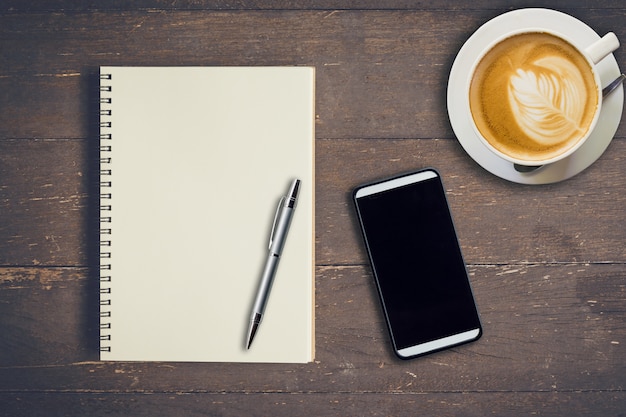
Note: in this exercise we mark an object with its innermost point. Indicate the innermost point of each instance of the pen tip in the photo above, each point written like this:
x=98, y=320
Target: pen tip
x=293, y=193
x=253, y=328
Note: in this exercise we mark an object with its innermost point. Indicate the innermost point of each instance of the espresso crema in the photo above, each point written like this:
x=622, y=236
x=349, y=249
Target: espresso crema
x=533, y=96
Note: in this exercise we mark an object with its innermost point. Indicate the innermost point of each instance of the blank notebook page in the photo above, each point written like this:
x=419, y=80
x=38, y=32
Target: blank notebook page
x=197, y=159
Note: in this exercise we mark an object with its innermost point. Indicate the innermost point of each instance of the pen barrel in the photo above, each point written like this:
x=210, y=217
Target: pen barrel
x=282, y=221
x=281, y=229
x=266, y=284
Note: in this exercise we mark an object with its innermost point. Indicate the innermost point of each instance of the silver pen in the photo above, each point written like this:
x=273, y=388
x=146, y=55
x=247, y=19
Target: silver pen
x=282, y=220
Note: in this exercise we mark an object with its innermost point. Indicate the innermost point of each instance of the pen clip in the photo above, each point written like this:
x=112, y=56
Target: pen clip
x=280, y=204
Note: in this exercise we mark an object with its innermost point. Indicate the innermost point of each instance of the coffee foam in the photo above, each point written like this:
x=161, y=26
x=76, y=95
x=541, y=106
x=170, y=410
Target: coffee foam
x=533, y=96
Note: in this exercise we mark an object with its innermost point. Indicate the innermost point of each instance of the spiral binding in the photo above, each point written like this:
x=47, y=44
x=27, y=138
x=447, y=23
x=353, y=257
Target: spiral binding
x=105, y=211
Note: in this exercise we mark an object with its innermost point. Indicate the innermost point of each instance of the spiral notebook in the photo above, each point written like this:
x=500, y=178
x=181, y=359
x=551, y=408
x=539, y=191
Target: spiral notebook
x=194, y=161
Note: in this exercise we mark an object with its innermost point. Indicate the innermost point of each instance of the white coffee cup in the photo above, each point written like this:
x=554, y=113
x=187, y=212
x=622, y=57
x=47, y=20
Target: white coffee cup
x=522, y=118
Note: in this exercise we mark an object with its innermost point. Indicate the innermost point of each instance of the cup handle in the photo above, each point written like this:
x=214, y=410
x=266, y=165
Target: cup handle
x=607, y=44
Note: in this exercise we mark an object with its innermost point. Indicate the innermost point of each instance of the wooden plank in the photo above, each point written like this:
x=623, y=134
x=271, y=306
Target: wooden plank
x=546, y=328
x=380, y=74
x=357, y=92
x=503, y=404
x=48, y=315
x=45, y=202
x=17, y=6
x=497, y=221
x=46, y=107
x=48, y=209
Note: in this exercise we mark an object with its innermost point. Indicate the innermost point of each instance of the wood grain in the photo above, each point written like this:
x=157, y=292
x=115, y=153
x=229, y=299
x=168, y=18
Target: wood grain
x=497, y=222
x=379, y=74
x=46, y=195
x=558, y=327
x=327, y=404
x=16, y=6
x=550, y=404
x=546, y=262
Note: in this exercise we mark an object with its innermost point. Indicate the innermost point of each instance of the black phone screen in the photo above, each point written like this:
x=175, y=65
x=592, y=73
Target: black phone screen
x=417, y=263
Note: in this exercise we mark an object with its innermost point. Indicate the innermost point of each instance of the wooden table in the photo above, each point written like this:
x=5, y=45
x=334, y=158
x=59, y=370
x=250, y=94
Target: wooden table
x=547, y=263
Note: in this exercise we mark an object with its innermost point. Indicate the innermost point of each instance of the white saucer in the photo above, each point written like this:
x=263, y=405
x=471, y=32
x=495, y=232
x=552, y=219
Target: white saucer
x=458, y=108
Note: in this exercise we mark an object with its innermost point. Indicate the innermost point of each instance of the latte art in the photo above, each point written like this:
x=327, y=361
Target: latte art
x=533, y=96
x=548, y=102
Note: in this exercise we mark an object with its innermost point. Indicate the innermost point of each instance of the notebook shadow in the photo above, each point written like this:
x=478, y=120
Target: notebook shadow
x=91, y=300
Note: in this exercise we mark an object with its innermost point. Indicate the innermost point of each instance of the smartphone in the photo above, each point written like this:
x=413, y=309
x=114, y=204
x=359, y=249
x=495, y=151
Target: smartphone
x=417, y=263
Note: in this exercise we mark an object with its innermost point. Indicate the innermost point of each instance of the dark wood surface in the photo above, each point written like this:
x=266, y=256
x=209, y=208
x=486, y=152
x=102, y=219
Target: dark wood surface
x=547, y=263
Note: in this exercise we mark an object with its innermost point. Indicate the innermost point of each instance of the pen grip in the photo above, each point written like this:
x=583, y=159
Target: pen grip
x=266, y=284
